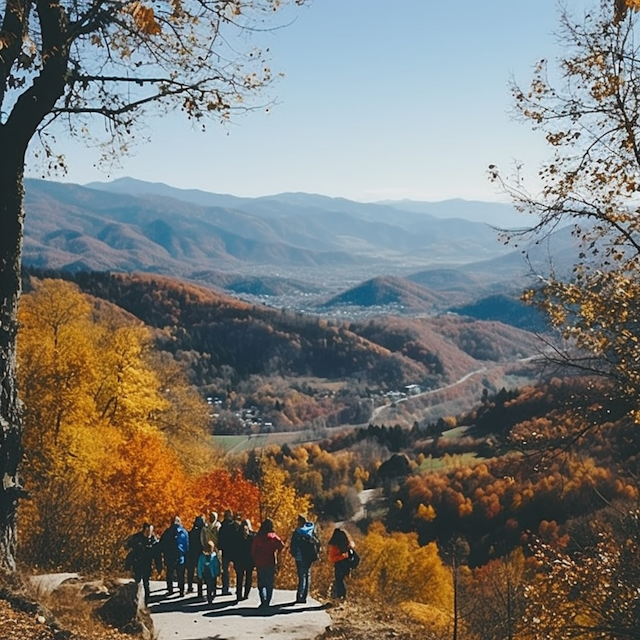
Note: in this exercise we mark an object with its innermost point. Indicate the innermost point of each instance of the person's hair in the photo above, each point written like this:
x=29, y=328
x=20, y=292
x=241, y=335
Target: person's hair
x=214, y=516
x=340, y=539
x=146, y=525
x=211, y=546
x=302, y=519
x=266, y=526
x=177, y=520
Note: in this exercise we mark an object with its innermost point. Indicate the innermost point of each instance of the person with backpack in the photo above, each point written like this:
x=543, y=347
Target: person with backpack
x=341, y=548
x=144, y=552
x=305, y=549
x=175, y=545
x=209, y=569
x=193, y=555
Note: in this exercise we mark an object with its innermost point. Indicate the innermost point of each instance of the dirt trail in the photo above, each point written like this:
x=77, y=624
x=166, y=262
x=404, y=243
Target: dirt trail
x=188, y=618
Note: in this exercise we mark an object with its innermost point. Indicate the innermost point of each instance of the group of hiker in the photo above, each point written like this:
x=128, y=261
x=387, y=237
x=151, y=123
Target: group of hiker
x=203, y=556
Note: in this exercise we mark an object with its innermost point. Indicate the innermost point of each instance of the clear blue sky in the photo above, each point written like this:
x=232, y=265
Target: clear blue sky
x=381, y=99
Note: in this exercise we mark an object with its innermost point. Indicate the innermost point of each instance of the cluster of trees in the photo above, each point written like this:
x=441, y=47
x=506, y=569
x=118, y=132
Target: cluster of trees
x=496, y=504
x=115, y=435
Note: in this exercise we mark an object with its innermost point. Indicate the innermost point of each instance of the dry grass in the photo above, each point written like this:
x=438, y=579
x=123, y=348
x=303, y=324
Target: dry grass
x=27, y=615
x=359, y=619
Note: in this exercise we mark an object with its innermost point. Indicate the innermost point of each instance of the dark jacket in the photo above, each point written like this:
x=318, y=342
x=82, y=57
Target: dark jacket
x=195, y=543
x=243, y=558
x=175, y=544
x=229, y=540
x=301, y=537
x=144, y=551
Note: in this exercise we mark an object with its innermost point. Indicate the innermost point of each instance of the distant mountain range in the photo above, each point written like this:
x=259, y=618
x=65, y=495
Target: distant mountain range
x=298, y=250
x=132, y=225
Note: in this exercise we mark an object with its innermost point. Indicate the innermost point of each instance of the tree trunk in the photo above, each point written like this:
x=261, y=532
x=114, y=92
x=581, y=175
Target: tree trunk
x=11, y=223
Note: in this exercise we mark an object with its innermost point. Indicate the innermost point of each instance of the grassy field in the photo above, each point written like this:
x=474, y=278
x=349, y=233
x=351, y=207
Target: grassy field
x=237, y=444
x=450, y=462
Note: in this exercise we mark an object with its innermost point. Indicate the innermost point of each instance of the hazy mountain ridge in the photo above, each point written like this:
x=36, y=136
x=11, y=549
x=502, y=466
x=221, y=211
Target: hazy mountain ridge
x=298, y=229
x=163, y=235
x=295, y=250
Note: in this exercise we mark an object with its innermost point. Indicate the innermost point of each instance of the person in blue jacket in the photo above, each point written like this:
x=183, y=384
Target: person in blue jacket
x=209, y=569
x=175, y=545
x=304, y=548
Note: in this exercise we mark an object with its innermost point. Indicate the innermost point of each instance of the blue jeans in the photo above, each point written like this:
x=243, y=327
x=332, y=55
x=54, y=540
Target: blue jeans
x=304, y=580
x=266, y=579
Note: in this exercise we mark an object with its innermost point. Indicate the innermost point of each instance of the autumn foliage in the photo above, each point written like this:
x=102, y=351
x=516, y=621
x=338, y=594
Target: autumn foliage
x=114, y=436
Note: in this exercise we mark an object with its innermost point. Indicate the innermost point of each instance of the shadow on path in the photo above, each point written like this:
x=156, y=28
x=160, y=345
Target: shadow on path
x=262, y=612
x=191, y=618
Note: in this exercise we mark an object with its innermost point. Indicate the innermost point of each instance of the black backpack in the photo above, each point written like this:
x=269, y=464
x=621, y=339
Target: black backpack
x=309, y=548
x=354, y=558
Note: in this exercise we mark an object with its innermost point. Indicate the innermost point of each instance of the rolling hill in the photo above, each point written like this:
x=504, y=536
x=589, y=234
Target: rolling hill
x=302, y=251
x=389, y=293
x=218, y=330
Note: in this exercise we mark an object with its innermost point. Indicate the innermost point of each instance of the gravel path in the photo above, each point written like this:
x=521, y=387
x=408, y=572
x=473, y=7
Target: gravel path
x=188, y=618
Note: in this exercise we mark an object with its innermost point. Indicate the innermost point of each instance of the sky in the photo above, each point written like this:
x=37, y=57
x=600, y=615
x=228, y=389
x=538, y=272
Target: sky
x=380, y=100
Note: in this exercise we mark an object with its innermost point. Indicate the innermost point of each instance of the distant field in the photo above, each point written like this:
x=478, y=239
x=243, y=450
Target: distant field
x=455, y=433
x=236, y=444
x=450, y=462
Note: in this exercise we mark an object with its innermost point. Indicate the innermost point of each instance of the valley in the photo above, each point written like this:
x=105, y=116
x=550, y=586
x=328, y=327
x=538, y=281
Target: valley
x=424, y=296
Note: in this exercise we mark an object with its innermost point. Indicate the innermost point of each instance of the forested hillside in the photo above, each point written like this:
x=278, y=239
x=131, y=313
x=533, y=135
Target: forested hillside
x=296, y=368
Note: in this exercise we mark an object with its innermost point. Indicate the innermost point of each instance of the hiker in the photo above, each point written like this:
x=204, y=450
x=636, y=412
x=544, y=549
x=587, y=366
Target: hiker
x=209, y=569
x=175, y=545
x=227, y=543
x=144, y=552
x=193, y=555
x=339, y=546
x=209, y=533
x=304, y=548
x=243, y=562
x=266, y=550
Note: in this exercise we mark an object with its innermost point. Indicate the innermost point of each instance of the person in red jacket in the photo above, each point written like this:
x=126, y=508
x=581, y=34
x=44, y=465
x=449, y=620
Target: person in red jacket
x=339, y=545
x=266, y=550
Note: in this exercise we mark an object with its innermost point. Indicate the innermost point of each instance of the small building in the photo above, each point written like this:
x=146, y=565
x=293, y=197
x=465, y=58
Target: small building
x=412, y=389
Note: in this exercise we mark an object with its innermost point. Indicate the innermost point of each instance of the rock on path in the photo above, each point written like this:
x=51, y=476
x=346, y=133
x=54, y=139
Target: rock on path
x=188, y=618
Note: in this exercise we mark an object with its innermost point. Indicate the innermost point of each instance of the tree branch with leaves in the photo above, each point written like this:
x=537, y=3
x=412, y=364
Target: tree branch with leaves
x=588, y=109
x=74, y=62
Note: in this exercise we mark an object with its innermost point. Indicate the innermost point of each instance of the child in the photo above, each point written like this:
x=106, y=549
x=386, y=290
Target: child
x=209, y=569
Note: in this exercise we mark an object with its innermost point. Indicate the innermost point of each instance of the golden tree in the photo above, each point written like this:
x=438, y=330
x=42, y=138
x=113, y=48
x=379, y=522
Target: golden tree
x=98, y=463
x=406, y=574
x=590, y=593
